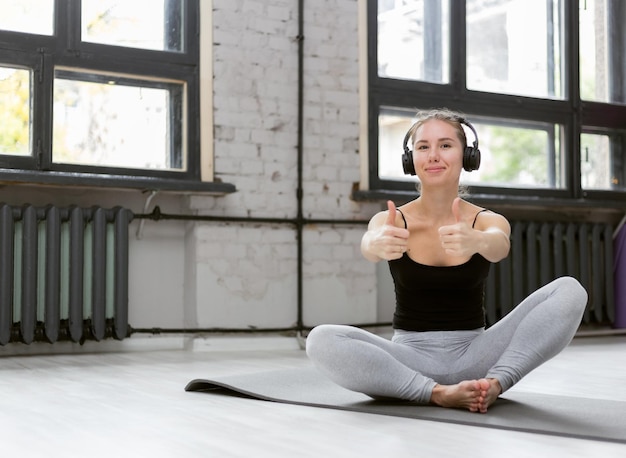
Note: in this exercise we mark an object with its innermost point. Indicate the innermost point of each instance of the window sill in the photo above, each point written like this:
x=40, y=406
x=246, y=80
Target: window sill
x=90, y=180
x=599, y=208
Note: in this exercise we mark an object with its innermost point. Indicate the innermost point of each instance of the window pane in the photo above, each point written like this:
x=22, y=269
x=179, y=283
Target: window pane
x=514, y=155
x=15, y=114
x=132, y=23
x=602, y=166
x=514, y=47
x=602, y=65
x=413, y=40
x=392, y=127
x=518, y=154
x=112, y=124
x=28, y=16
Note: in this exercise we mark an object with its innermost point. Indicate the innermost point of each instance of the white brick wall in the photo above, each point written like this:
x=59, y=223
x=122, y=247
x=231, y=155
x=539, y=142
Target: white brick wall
x=245, y=274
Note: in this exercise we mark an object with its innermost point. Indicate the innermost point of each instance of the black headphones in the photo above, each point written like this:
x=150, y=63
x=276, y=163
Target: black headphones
x=471, y=155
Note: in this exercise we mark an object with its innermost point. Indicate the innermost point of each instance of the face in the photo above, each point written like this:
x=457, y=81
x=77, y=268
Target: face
x=437, y=151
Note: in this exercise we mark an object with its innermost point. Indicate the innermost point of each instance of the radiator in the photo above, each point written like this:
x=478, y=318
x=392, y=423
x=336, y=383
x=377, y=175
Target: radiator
x=63, y=273
x=543, y=251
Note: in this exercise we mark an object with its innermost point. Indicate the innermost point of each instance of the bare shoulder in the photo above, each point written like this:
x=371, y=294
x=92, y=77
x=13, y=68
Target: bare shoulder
x=488, y=219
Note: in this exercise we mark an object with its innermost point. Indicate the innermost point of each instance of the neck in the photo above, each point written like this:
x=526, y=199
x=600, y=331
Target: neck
x=437, y=202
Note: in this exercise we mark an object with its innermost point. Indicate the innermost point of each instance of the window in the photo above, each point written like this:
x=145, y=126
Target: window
x=547, y=98
x=413, y=40
x=116, y=122
x=15, y=122
x=100, y=88
x=28, y=16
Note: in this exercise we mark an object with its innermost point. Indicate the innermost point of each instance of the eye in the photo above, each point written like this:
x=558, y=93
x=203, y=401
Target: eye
x=446, y=145
x=422, y=147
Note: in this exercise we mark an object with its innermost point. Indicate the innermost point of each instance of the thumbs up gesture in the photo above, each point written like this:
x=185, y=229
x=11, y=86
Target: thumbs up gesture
x=457, y=239
x=391, y=213
x=385, y=241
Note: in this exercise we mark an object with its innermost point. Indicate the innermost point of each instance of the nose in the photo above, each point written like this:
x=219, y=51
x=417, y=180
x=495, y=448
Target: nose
x=433, y=155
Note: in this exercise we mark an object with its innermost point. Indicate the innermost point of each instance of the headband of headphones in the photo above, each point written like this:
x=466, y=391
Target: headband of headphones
x=471, y=154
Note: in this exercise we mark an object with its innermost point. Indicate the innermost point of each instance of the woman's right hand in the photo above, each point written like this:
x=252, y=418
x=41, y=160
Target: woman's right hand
x=383, y=239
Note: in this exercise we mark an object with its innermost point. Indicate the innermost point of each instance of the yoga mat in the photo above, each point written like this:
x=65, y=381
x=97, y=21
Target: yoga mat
x=581, y=418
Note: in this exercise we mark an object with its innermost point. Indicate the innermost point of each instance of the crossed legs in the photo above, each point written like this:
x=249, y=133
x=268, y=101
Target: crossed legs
x=490, y=363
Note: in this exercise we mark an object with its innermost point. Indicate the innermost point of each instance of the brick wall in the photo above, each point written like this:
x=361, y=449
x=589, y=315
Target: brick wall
x=245, y=274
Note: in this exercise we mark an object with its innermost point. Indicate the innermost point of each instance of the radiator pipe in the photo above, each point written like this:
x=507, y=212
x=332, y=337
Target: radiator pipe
x=98, y=270
x=120, y=282
x=28, y=317
x=6, y=272
x=76, y=279
x=52, y=310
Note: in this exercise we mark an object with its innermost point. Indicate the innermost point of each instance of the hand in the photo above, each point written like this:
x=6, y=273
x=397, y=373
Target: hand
x=388, y=242
x=457, y=239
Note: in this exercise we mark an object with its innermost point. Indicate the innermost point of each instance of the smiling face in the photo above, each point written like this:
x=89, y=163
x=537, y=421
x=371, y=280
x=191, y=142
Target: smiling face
x=438, y=151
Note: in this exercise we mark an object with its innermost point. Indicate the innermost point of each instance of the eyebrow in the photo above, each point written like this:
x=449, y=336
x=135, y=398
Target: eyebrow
x=439, y=140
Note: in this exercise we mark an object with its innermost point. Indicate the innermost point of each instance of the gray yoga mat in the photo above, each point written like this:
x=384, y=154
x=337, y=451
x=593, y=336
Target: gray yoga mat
x=582, y=418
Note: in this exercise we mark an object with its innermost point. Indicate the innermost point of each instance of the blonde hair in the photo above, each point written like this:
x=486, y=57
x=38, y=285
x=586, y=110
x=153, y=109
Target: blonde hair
x=455, y=119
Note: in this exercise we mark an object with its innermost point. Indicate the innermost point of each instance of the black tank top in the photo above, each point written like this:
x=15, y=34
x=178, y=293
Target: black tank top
x=439, y=298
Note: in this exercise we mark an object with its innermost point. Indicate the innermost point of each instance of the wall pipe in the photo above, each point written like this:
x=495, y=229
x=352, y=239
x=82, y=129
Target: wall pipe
x=300, y=190
x=157, y=215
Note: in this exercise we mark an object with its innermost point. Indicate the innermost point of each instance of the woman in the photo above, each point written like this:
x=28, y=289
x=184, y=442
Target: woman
x=439, y=248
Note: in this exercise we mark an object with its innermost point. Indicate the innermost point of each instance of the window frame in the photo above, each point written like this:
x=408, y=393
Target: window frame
x=575, y=115
x=42, y=54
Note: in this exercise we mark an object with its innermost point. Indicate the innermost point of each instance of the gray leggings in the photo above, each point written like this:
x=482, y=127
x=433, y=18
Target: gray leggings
x=410, y=364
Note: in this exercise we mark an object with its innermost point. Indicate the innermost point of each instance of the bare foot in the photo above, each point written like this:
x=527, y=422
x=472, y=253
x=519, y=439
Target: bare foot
x=473, y=395
x=465, y=395
x=490, y=389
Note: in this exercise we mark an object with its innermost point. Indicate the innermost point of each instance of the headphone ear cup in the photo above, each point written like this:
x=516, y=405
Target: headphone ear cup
x=407, y=162
x=471, y=158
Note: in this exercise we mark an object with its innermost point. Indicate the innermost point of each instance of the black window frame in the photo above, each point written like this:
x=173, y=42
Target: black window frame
x=42, y=54
x=575, y=115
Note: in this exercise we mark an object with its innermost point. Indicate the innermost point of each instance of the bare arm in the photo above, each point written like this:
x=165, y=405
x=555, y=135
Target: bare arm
x=489, y=238
x=383, y=239
x=493, y=237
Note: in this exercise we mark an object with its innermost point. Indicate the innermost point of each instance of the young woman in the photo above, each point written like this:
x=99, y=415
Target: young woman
x=439, y=248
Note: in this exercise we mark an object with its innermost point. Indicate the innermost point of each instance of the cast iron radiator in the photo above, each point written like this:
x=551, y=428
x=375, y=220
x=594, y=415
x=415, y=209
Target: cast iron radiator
x=543, y=251
x=63, y=273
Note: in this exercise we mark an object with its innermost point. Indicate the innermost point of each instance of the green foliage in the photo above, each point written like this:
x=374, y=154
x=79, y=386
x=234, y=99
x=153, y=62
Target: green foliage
x=15, y=112
x=518, y=154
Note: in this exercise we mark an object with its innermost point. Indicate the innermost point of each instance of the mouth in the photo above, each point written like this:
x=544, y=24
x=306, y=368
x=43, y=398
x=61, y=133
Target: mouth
x=435, y=169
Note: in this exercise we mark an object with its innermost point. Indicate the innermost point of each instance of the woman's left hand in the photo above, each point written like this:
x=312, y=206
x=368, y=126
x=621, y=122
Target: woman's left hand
x=458, y=239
